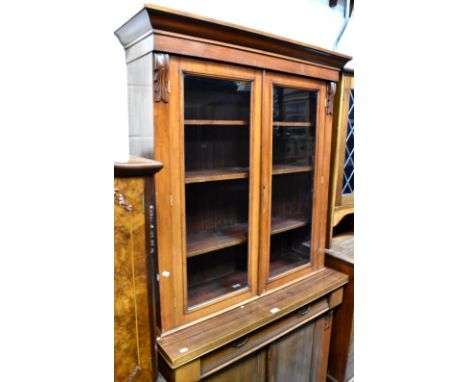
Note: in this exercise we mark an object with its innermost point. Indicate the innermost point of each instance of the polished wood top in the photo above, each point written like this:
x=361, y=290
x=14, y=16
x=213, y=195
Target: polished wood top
x=342, y=247
x=191, y=342
x=136, y=166
x=153, y=18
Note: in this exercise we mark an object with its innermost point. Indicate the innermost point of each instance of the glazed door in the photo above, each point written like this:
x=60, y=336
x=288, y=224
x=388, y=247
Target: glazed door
x=292, y=178
x=220, y=130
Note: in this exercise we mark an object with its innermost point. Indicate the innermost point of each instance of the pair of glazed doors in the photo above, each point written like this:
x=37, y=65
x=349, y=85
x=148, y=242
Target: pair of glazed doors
x=241, y=202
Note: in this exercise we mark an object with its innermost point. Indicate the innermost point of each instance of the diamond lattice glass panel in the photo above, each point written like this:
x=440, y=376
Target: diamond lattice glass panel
x=348, y=172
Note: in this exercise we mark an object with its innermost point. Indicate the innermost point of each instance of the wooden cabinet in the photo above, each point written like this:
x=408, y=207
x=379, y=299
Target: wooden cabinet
x=242, y=121
x=340, y=247
x=300, y=356
x=342, y=164
x=133, y=316
x=340, y=256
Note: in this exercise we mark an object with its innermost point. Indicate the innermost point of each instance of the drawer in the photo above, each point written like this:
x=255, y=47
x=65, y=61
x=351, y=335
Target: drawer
x=257, y=339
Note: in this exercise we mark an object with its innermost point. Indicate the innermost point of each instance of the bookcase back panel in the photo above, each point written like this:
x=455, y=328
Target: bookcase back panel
x=209, y=147
x=292, y=196
x=216, y=206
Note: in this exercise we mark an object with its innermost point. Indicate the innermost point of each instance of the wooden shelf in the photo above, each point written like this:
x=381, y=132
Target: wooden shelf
x=215, y=122
x=216, y=174
x=217, y=287
x=279, y=169
x=200, y=176
x=283, y=224
x=205, y=242
x=286, y=263
x=296, y=124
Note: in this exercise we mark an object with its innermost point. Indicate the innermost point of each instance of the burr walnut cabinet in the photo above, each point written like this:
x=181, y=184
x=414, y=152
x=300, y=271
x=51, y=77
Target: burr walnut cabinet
x=242, y=122
x=133, y=306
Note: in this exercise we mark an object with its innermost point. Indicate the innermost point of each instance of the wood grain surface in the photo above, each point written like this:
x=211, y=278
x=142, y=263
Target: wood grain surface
x=210, y=334
x=132, y=329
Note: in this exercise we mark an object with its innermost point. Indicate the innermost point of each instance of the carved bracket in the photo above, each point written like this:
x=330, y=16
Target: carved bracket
x=122, y=202
x=331, y=91
x=162, y=85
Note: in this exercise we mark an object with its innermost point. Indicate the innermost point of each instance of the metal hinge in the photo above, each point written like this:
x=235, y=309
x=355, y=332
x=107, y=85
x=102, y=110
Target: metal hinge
x=331, y=91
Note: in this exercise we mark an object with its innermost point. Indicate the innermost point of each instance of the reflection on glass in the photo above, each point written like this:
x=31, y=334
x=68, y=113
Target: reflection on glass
x=216, y=145
x=293, y=105
x=294, y=125
x=215, y=99
x=293, y=145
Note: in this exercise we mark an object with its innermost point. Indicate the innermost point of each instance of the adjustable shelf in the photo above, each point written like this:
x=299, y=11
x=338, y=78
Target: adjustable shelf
x=200, y=176
x=217, y=287
x=279, y=169
x=286, y=263
x=283, y=224
x=204, y=242
x=205, y=122
x=295, y=124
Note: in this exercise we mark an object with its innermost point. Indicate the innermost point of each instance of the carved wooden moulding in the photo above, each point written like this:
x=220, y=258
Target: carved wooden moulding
x=161, y=77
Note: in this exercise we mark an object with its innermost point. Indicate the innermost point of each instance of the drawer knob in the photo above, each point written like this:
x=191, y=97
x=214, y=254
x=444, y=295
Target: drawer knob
x=240, y=342
x=304, y=310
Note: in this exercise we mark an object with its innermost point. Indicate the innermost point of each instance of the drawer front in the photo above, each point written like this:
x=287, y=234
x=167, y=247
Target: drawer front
x=217, y=360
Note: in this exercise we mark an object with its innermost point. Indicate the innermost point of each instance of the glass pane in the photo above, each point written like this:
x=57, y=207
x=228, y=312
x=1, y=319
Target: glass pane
x=217, y=135
x=348, y=170
x=211, y=98
x=293, y=105
x=294, y=124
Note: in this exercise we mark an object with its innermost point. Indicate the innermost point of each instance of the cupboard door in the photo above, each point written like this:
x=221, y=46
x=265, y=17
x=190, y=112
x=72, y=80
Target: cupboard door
x=302, y=355
x=221, y=152
x=292, y=167
x=251, y=368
